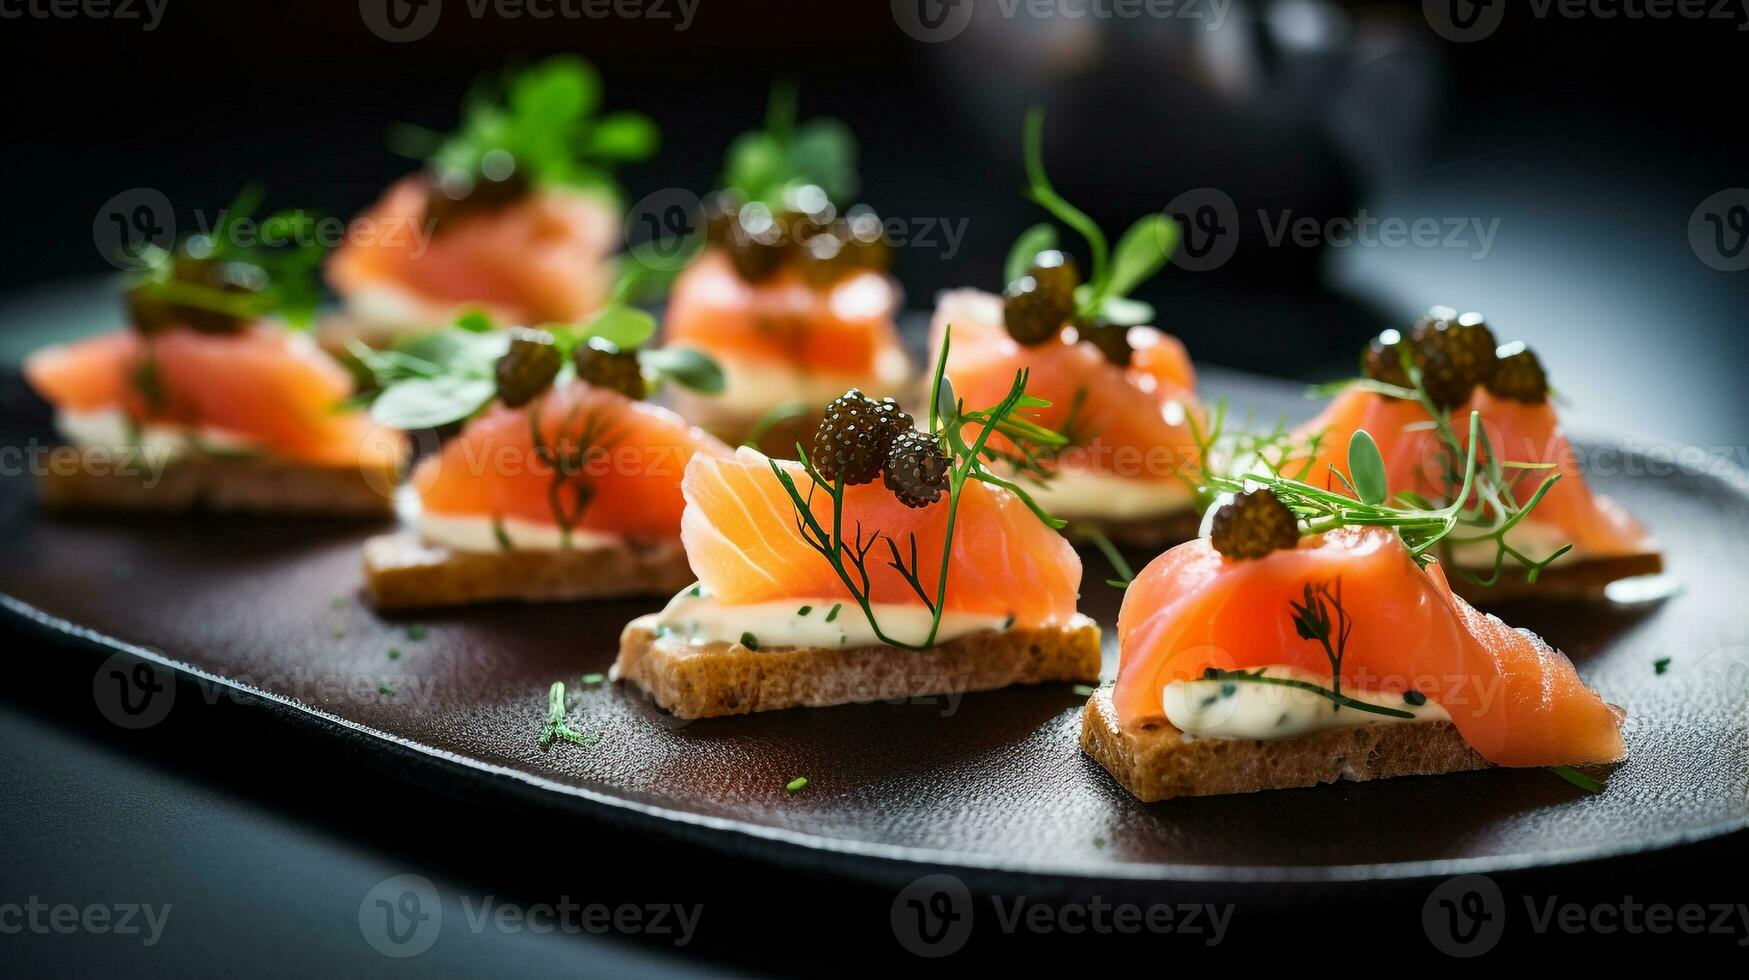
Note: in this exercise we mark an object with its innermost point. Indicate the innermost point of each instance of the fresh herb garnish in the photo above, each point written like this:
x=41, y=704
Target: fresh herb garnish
x=749, y=641
x=1340, y=700
x=556, y=727
x=763, y=164
x=967, y=462
x=225, y=277
x=796, y=785
x=1099, y=540
x=1474, y=484
x=1577, y=778
x=1661, y=665
x=435, y=379
x=546, y=118
x=394, y=653
x=833, y=613
x=1142, y=251
x=1313, y=620
x=804, y=610
x=592, y=679
x=416, y=633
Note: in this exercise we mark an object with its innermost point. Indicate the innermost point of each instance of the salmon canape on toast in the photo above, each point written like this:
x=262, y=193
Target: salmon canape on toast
x=1448, y=366
x=790, y=293
x=212, y=398
x=515, y=213
x=1311, y=637
x=1122, y=393
x=888, y=563
x=563, y=482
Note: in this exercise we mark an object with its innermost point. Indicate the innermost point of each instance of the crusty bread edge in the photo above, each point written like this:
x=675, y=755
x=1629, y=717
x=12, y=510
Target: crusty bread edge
x=708, y=680
x=403, y=572
x=1584, y=578
x=1159, y=762
x=73, y=481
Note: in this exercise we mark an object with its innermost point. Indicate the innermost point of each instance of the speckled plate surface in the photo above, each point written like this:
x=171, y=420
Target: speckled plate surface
x=269, y=611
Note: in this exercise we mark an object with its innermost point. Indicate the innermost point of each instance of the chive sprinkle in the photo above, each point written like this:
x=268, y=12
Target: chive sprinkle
x=394, y=653
x=1577, y=778
x=795, y=785
x=1661, y=665
x=804, y=610
x=833, y=614
x=593, y=679
x=750, y=641
x=416, y=633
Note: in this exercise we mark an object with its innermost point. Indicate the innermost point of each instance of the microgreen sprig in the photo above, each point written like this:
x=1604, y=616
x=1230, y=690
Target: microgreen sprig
x=765, y=163
x=1143, y=250
x=270, y=271
x=949, y=421
x=1474, y=479
x=546, y=118
x=446, y=376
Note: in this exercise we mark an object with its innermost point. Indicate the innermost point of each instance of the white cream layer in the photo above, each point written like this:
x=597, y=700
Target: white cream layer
x=111, y=430
x=1252, y=710
x=1073, y=493
x=483, y=534
x=695, y=616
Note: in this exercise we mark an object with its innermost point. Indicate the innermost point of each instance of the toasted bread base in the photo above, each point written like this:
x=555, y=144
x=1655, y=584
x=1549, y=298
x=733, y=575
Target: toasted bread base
x=72, y=481
x=709, y=680
x=1159, y=762
x=1581, y=579
x=401, y=571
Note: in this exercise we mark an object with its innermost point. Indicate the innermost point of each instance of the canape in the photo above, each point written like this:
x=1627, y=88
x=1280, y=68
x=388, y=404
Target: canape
x=563, y=482
x=1310, y=637
x=1447, y=366
x=888, y=563
x=790, y=293
x=212, y=397
x=1122, y=392
x=516, y=213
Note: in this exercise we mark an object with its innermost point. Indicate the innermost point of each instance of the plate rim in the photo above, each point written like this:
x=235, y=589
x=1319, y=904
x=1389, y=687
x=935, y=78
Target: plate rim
x=868, y=860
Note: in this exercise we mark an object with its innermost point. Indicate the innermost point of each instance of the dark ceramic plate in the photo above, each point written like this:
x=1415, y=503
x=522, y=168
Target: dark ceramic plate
x=268, y=611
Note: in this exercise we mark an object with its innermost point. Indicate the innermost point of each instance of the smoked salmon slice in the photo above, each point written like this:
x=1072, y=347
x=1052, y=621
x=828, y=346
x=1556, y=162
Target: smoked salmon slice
x=1133, y=422
x=541, y=259
x=842, y=329
x=1512, y=697
x=603, y=462
x=1513, y=431
x=741, y=535
x=271, y=386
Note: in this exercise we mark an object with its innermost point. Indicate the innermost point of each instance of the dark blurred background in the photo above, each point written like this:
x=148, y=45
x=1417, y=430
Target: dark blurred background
x=1563, y=161
x=1558, y=161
